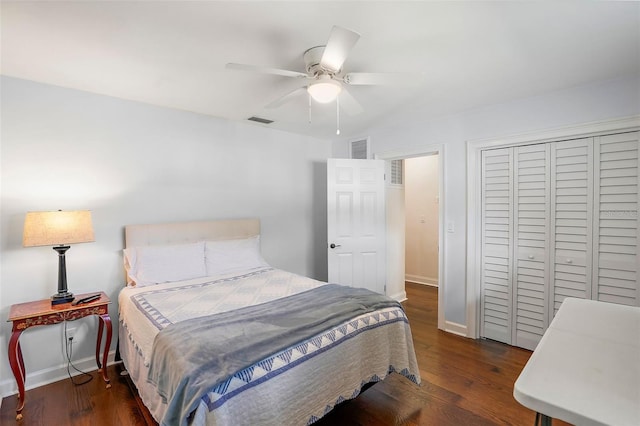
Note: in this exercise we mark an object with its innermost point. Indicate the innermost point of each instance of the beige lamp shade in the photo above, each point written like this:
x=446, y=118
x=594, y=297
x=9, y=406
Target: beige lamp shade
x=57, y=228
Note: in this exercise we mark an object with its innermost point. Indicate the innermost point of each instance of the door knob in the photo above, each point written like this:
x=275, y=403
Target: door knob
x=334, y=245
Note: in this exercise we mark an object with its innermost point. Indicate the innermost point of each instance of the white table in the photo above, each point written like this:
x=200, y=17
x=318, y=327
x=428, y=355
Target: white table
x=586, y=368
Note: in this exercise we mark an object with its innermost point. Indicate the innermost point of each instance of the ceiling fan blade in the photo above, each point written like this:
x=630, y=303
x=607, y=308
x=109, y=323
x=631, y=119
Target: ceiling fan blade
x=286, y=98
x=349, y=104
x=265, y=70
x=382, y=78
x=340, y=43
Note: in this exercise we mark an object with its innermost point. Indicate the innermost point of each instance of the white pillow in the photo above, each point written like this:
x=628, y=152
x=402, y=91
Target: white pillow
x=147, y=265
x=233, y=256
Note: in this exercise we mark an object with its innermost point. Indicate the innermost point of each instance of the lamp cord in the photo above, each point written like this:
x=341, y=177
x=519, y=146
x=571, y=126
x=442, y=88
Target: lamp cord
x=69, y=352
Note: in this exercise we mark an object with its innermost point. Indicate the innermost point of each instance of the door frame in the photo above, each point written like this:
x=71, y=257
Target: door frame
x=439, y=149
x=474, y=191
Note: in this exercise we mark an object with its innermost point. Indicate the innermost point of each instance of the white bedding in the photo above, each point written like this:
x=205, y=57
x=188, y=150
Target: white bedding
x=297, y=386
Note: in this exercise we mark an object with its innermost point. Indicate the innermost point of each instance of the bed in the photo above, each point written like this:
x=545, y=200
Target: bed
x=294, y=347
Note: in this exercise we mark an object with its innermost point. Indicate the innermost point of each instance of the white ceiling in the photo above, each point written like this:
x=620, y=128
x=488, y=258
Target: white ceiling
x=173, y=54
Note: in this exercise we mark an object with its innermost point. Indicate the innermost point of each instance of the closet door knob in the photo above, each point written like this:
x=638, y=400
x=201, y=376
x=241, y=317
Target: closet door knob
x=530, y=256
x=334, y=245
x=569, y=261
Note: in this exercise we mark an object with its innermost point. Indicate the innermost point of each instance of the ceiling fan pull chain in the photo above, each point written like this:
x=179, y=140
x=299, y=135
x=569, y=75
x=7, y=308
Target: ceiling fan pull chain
x=338, y=115
x=309, y=96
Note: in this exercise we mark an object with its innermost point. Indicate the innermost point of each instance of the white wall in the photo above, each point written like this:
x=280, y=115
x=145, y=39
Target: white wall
x=421, y=206
x=412, y=129
x=133, y=163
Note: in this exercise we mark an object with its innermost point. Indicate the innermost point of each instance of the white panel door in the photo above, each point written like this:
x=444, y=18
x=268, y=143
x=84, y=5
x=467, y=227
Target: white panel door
x=356, y=223
x=497, y=245
x=616, y=231
x=531, y=197
x=571, y=220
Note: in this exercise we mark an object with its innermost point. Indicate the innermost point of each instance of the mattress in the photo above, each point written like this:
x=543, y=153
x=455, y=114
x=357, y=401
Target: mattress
x=294, y=386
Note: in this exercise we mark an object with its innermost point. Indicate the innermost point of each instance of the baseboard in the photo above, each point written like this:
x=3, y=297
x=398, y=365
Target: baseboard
x=400, y=297
x=53, y=374
x=455, y=328
x=418, y=279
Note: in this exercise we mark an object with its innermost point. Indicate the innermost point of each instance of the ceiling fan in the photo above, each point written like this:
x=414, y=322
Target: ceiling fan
x=324, y=73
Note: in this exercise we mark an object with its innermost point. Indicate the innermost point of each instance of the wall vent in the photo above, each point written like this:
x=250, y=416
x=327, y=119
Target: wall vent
x=360, y=149
x=396, y=172
x=260, y=120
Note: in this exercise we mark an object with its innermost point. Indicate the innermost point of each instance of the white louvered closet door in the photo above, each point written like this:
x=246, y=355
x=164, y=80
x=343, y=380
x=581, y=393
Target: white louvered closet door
x=497, y=244
x=616, y=230
x=571, y=221
x=531, y=197
x=559, y=219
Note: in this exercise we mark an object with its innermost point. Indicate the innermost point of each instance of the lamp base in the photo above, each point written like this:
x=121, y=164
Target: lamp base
x=60, y=298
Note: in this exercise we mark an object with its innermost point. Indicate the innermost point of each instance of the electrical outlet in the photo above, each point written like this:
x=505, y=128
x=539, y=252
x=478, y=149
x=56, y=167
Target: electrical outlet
x=71, y=333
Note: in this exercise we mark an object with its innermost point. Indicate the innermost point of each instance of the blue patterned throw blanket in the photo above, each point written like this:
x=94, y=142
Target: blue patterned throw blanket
x=190, y=357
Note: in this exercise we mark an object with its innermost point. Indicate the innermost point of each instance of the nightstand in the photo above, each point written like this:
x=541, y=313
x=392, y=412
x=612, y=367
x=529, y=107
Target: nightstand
x=31, y=314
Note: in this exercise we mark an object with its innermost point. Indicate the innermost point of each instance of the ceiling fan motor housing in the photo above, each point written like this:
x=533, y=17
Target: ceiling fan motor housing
x=312, y=58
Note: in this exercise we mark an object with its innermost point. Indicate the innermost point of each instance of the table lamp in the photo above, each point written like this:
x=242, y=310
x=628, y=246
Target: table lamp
x=58, y=229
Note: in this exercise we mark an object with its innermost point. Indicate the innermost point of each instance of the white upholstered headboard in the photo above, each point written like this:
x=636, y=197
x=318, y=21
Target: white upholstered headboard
x=186, y=232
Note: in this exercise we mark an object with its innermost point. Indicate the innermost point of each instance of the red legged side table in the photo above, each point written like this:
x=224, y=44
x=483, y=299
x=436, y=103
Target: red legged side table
x=31, y=314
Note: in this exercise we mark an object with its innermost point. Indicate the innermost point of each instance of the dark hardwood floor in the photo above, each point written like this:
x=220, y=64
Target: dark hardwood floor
x=464, y=382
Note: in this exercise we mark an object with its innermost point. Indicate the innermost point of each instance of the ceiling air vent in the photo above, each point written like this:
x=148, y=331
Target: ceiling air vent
x=360, y=149
x=260, y=120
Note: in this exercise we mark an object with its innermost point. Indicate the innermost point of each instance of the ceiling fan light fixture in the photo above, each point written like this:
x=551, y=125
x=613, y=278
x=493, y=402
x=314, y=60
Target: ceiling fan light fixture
x=325, y=89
